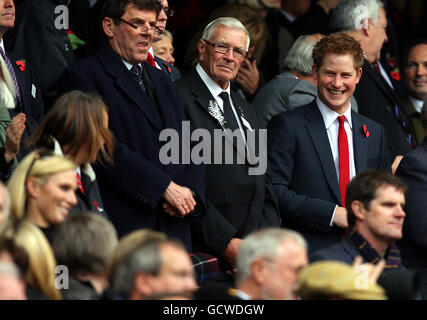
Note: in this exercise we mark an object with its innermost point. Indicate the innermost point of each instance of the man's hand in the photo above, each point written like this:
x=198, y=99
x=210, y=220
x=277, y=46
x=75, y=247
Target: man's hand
x=179, y=197
x=396, y=163
x=232, y=250
x=340, y=217
x=372, y=270
x=248, y=76
x=13, y=136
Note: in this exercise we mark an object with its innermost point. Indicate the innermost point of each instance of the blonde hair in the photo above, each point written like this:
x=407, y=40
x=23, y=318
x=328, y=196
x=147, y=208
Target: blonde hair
x=41, y=168
x=40, y=274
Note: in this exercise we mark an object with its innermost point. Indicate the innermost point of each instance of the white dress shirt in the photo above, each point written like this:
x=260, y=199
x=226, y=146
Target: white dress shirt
x=418, y=104
x=330, y=119
x=216, y=90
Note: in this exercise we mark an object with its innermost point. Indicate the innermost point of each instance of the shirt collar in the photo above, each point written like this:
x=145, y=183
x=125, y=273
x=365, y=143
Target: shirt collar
x=2, y=44
x=129, y=65
x=288, y=16
x=329, y=115
x=213, y=87
x=418, y=104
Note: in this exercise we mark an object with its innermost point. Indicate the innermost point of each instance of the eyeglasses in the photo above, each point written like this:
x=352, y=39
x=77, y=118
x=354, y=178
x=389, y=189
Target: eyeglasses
x=223, y=48
x=168, y=11
x=140, y=25
x=40, y=154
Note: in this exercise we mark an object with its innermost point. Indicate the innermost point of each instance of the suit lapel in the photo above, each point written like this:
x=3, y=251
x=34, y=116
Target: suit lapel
x=360, y=143
x=203, y=97
x=317, y=131
x=123, y=79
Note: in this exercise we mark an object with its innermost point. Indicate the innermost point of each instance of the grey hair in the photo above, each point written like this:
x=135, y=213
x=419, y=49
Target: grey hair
x=168, y=34
x=228, y=22
x=299, y=57
x=349, y=15
x=147, y=258
x=263, y=243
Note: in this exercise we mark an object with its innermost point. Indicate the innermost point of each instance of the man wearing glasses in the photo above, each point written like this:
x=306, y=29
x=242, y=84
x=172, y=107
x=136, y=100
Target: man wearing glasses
x=139, y=190
x=159, y=31
x=239, y=203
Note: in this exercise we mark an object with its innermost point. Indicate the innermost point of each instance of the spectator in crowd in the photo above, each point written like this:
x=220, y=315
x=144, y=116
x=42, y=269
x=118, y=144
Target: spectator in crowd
x=77, y=126
x=293, y=88
x=85, y=243
x=375, y=92
x=246, y=202
x=40, y=276
x=249, y=79
x=39, y=25
x=159, y=31
x=315, y=150
x=4, y=203
x=137, y=186
x=164, y=48
x=42, y=190
x=268, y=264
x=13, y=267
x=154, y=267
x=21, y=103
x=375, y=201
x=130, y=241
x=412, y=170
x=415, y=71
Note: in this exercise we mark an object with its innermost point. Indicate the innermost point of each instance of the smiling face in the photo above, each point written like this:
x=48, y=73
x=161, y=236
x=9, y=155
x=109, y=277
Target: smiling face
x=51, y=201
x=222, y=67
x=7, y=15
x=336, y=80
x=129, y=43
x=416, y=72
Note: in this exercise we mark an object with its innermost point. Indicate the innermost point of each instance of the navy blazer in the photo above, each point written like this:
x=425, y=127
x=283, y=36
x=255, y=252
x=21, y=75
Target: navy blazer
x=413, y=246
x=303, y=171
x=377, y=101
x=344, y=251
x=32, y=105
x=133, y=187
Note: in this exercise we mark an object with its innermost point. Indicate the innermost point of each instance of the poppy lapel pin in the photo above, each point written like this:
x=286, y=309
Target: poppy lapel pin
x=21, y=64
x=366, y=131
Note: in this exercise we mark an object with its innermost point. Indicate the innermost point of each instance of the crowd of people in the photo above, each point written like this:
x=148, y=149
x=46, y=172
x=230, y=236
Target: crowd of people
x=253, y=149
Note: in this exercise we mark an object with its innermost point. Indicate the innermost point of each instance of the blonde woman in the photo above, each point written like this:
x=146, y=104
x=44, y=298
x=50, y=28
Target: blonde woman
x=40, y=275
x=42, y=189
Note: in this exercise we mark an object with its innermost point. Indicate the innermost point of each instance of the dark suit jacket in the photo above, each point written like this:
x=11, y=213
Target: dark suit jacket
x=303, y=170
x=376, y=100
x=238, y=203
x=413, y=246
x=132, y=189
x=172, y=71
x=32, y=106
x=344, y=251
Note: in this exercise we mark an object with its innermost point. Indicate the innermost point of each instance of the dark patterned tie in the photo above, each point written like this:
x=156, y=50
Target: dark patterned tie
x=228, y=112
x=12, y=74
x=136, y=72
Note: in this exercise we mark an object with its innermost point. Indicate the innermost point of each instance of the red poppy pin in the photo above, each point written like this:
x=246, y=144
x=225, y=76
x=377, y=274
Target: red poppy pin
x=21, y=64
x=365, y=130
x=395, y=75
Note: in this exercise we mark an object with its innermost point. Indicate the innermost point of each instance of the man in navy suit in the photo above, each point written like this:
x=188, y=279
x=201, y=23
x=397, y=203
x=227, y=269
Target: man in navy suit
x=413, y=171
x=139, y=190
x=21, y=101
x=313, y=151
